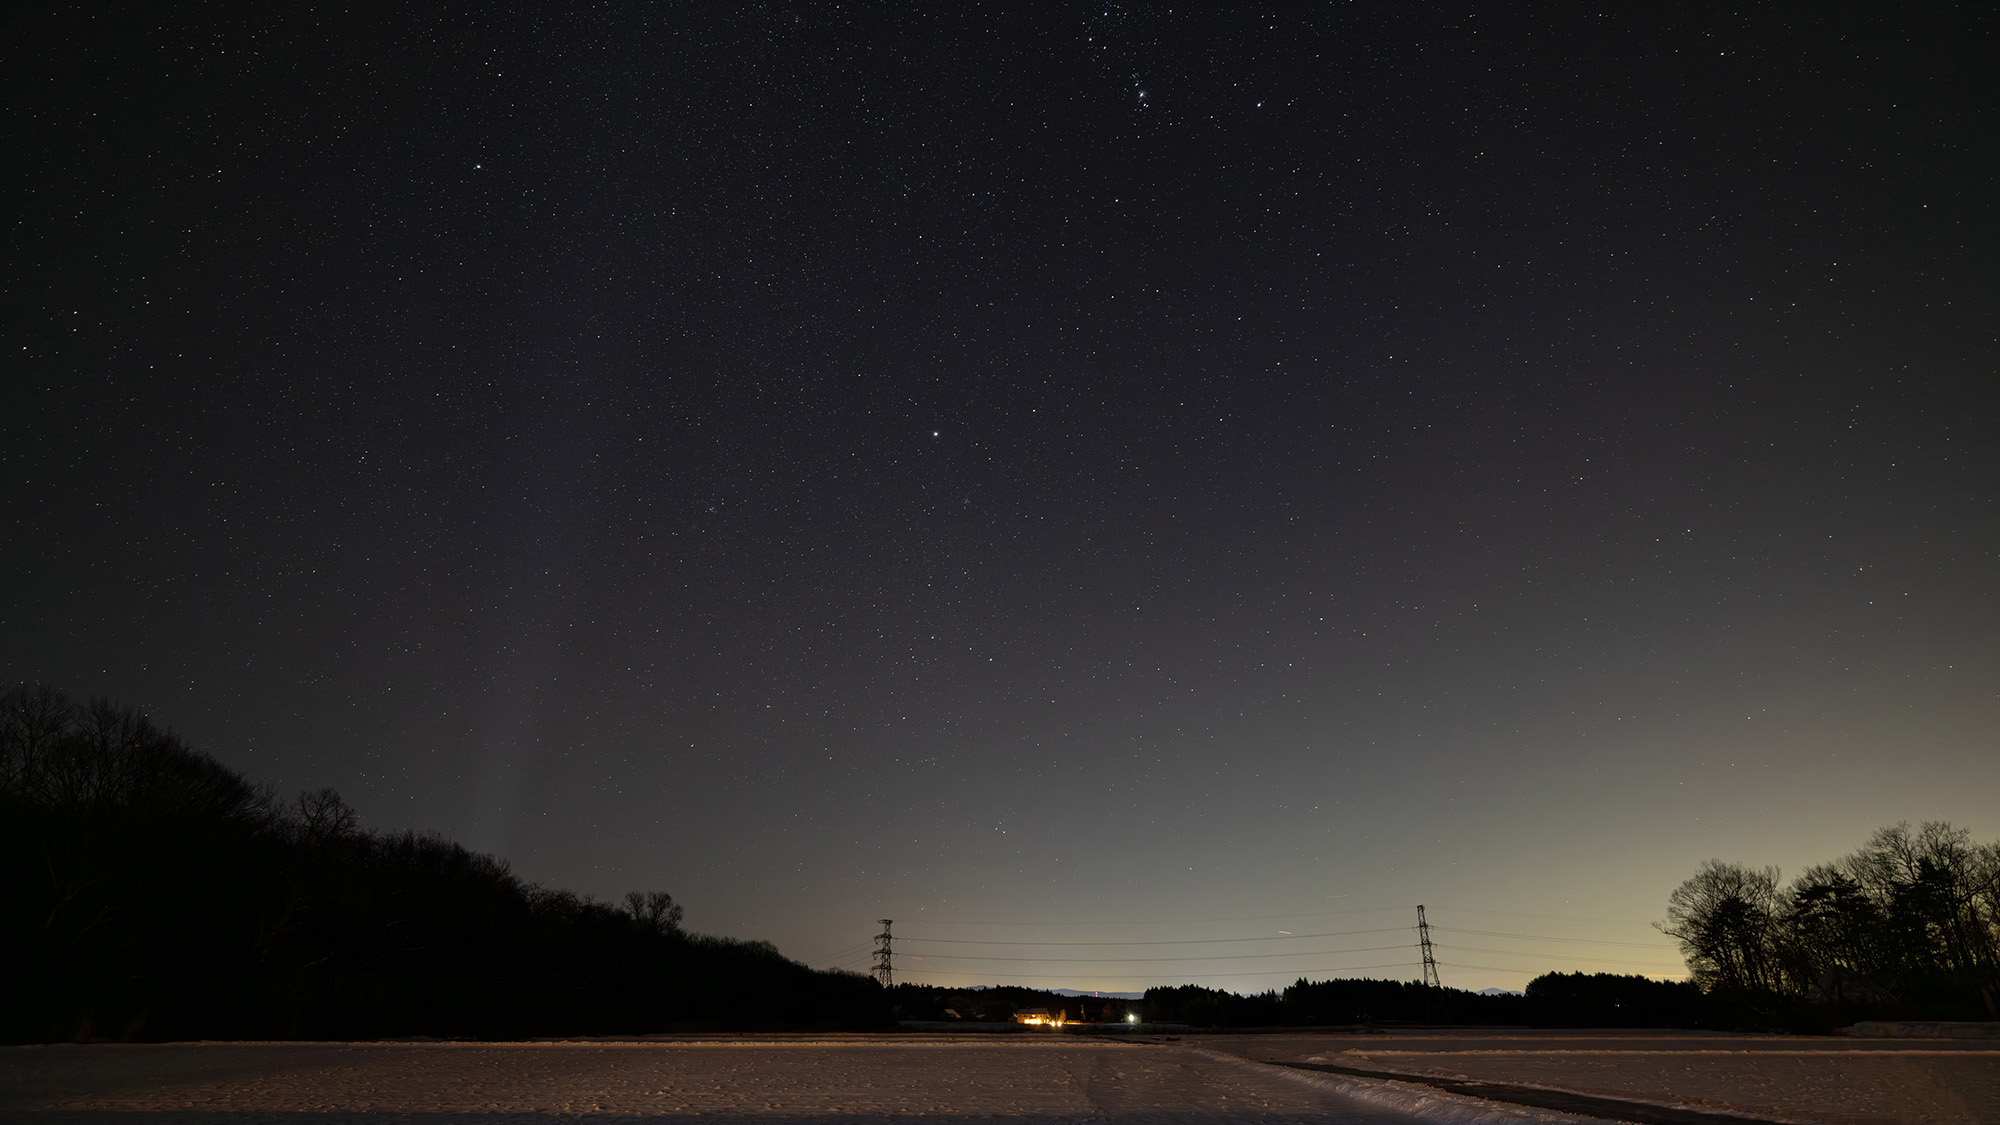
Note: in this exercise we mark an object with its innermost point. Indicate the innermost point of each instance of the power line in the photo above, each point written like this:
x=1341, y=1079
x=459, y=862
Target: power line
x=844, y=958
x=1559, y=917
x=1249, y=973
x=1262, y=956
x=1548, y=937
x=1427, y=960
x=1177, y=941
x=842, y=954
x=1517, y=969
x=1177, y=921
x=1548, y=956
x=1137, y=960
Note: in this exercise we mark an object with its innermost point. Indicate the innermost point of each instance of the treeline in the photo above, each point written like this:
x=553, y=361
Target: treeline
x=1907, y=927
x=153, y=893
x=998, y=1003
x=1551, y=1000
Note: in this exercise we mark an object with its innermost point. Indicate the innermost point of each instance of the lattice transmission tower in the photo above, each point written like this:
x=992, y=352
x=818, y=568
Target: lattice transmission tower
x=885, y=969
x=1424, y=943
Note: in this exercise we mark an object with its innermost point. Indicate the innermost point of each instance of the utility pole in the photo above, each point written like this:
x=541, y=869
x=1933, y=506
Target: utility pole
x=1423, y=943
x=885, y=970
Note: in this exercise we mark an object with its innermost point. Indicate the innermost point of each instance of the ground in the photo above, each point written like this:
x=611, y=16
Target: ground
x=845, y=1080
x=1850, y=1081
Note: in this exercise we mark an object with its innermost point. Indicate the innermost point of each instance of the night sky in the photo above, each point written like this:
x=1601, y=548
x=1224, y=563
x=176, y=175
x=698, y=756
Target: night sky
x=1070, y=474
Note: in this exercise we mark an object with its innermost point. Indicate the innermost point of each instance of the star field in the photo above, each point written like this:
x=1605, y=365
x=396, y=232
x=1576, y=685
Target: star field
x=1071, y=466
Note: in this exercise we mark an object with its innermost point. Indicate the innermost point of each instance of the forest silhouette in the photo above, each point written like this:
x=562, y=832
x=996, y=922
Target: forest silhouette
x=157, y=894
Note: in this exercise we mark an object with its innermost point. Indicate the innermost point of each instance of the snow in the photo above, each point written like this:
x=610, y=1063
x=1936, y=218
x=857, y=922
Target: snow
x=1420, y=1103
x=828, y=1081
x=1025, y=1079
x=1920, y=1082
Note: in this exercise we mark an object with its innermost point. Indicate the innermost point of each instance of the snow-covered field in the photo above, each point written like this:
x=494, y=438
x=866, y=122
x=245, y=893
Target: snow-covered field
x=835, y=1080
x=846, y=1080
x=1921, y=1082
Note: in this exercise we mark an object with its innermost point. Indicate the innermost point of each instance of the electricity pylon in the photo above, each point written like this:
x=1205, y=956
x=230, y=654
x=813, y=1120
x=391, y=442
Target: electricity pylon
x=1424, y=943
x=885, y=970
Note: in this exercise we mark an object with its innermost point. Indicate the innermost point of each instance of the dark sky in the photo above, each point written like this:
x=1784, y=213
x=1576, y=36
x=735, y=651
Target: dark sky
x=1086, y=465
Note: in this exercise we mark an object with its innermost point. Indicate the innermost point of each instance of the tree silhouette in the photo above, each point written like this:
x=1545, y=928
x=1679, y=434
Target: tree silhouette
x=1725, y=920
x=1909, y=924
x=323, y=815
x=655, y=911
x=156, y=893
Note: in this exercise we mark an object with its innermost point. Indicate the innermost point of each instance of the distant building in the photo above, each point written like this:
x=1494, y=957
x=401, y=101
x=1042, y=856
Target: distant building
x=1036, y=1016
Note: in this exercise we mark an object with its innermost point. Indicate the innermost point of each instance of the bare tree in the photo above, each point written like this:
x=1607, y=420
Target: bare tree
x=1725, y=919
x=323, y=815
x=1940, y=896
x=33, y=718
x=655, y=910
